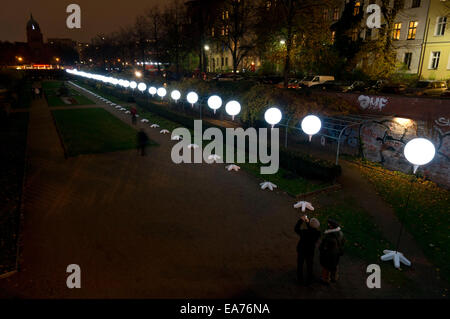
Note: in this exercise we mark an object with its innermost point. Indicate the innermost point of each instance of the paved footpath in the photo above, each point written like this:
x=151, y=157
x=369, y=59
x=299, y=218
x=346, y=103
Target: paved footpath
x=144, y=227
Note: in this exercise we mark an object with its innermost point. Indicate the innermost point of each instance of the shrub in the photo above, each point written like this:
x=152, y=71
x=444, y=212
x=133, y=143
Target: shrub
x=307, y=166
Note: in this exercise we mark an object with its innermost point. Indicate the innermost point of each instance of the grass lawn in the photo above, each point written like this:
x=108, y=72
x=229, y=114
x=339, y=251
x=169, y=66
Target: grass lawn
x=13, y=139
x=427, y=217
x=363, y=238
x=93, y=130
x=51, y=92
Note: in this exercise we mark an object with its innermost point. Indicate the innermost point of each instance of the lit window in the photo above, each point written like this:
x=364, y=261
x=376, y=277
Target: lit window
x=226, y=14
x=226, y=30
x=325, y=14
x=223, y=30
x=212, y=31
x=336, y=14
x=357, y=8
x=412, y=30
x=440, y=25
x=396, y=31
x=333, y=36
x=434, y=59
x=268, y=5
x=354, y=34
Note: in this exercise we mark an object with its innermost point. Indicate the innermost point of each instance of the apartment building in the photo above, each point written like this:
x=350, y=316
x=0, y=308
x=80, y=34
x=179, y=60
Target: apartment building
x=436, y=47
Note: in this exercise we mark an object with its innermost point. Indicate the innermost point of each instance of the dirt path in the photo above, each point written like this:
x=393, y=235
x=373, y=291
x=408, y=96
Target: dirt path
x=144, y=227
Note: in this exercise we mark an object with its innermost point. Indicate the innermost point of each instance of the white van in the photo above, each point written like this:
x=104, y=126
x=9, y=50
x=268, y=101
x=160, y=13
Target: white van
x=315, y=80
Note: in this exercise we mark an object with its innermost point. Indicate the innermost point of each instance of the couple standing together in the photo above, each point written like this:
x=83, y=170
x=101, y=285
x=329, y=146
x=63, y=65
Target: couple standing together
x=330, y=249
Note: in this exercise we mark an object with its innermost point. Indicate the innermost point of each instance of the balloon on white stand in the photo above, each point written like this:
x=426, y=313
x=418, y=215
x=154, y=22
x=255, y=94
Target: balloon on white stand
x=214, y=102
x=273, y=116
x=192, y=98
x=233, y=108
x=311, y=125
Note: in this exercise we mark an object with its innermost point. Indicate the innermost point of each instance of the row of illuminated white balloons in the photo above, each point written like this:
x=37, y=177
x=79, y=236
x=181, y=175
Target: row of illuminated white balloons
x=418, y=151
x=232, y=107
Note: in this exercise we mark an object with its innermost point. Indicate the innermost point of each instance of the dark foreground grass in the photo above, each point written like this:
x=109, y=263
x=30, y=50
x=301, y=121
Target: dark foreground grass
x=13, y=138
x=86, y=131
x=427, y=217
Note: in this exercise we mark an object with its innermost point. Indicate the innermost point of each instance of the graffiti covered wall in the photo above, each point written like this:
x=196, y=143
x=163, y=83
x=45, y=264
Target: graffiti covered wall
x=383, y=142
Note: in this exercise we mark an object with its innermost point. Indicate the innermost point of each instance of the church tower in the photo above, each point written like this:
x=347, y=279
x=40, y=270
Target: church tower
x=34, y=36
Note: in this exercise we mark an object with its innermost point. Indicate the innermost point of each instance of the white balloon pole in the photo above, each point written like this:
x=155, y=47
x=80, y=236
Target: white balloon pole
x=418, y=151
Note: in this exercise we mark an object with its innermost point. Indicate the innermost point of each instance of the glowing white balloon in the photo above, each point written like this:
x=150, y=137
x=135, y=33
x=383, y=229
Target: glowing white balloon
x=161, y=92
x=419, y=151
x=214, y=102
x=126, y=84
x=233, y=108
x=192, y=98
x=152, y=90
x=273, y=116
x=133, y=85
x=142, y=87
x=175, y=95
x=311, y=125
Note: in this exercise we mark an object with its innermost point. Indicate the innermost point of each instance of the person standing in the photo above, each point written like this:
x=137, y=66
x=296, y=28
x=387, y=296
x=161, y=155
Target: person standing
x=133, y=115
x=308, y=230
x=331, y=249
x=142, y=141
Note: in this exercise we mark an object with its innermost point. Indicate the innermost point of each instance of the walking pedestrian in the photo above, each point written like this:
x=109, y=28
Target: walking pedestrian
x=133, y=115
x=331, y=249
x=142, y=141
x=308, y=230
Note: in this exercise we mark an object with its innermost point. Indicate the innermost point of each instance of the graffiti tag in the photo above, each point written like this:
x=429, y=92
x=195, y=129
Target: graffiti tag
x=372, y=103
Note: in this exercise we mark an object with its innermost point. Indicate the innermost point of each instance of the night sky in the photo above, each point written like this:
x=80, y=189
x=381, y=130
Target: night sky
x=97, y=16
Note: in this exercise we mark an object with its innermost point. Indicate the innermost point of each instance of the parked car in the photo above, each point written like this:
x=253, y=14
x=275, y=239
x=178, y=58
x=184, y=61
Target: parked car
x=292, y=84
x=342, y=86
x=429, y=88
x=333, y=85
x=393, y=88
x=271, y=79
x=227, y=77
x=313, y=80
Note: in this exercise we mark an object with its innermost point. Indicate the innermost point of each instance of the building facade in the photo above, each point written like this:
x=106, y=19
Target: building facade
x=436, y=48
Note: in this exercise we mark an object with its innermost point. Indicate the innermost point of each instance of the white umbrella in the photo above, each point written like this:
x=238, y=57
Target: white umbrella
x=154, y=126
x=164, y=131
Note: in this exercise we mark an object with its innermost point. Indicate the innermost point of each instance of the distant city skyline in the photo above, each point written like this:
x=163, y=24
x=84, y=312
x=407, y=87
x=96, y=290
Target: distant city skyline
x=99, y=16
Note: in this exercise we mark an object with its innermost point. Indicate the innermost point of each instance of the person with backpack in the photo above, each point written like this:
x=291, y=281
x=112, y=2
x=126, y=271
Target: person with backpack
x=331, y=249
x=308, y=230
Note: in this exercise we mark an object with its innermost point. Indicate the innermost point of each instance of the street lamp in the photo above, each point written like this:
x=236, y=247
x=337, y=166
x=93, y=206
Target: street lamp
x=192, y=98
x=418, y=151
x=282, y=42
x=273, y=116
x=161, y=92
x=311, y=125
x=152, y=90
x=233, y=108
x=214, y=102
x=138, y=74
x=175, y=95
